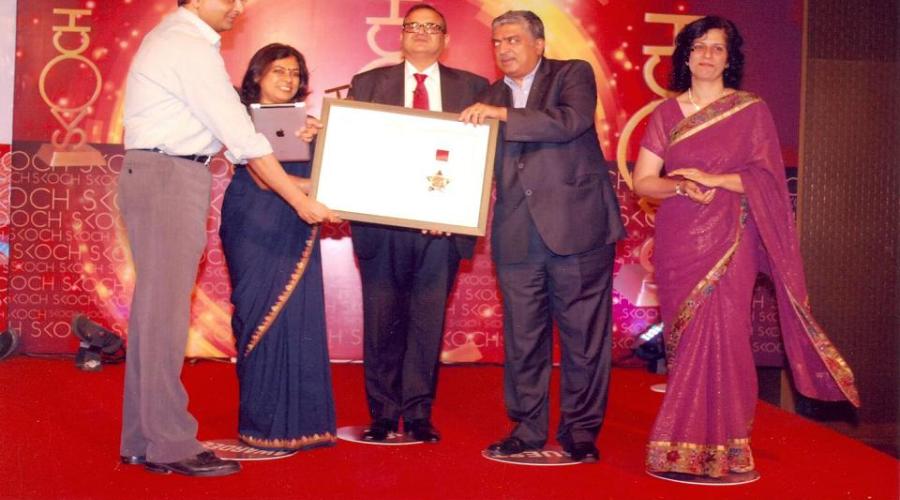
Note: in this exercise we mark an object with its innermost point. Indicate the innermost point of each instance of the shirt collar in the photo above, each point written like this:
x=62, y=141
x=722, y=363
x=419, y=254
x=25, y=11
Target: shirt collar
x=205, y=30
x=410, y=70
x=527, y=81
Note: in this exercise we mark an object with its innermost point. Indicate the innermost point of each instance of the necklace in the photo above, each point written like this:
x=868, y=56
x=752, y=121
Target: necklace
x=697, y=106
x=691, y=98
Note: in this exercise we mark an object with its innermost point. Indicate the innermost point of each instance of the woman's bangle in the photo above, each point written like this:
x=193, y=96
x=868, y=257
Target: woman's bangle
x=678, y=189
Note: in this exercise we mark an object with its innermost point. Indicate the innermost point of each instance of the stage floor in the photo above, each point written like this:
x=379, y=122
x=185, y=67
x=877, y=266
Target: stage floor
x=60, y=430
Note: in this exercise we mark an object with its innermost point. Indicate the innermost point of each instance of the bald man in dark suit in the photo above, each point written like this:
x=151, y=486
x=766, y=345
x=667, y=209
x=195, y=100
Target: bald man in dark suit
x=407, y=275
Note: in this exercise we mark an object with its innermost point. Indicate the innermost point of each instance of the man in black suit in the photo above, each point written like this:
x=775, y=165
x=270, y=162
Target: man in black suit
x=556, y=221
x=407, y=274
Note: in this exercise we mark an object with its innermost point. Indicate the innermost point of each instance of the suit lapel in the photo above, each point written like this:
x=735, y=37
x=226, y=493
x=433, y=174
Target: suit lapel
x=506, y=95
x=539, y=86
x=390, y=88
x=451, y=89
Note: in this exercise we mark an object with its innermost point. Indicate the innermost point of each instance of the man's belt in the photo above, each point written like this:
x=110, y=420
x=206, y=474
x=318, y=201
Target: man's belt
x=204, y=159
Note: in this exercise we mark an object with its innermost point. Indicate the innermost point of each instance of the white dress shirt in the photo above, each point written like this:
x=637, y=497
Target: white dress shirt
x=432, y=85
x=179, y=98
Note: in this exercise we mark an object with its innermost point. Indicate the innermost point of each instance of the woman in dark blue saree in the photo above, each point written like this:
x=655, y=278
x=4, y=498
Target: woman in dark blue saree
x=275, y=265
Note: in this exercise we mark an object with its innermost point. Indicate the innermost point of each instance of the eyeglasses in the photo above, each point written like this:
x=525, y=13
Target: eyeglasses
x=430, y=28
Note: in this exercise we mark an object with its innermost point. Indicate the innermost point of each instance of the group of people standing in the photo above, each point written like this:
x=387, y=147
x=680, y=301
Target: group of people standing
x=556, y=221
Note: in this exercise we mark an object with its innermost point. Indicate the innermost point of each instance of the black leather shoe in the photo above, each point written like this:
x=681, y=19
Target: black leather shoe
x=421, y=430
x=203, y=464
x=132, y=459
x=584, y=452
x=380, y=430
x=510, y=446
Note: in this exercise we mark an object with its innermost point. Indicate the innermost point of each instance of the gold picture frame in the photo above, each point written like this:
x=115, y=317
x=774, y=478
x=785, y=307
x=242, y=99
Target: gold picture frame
x=404, y=167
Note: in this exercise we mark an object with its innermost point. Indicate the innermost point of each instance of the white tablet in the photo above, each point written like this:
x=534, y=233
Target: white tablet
x=279, y=123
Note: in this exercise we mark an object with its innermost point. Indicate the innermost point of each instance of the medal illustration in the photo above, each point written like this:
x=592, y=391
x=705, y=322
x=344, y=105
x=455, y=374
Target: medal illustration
x=438, y=181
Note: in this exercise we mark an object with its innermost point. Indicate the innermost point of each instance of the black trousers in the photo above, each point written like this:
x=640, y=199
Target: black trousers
x=576, y=292
x=405, y=285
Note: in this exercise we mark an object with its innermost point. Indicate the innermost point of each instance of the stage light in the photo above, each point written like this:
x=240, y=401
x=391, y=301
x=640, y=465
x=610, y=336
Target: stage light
x=649, y=346
x=98, y=345
x=9, y=341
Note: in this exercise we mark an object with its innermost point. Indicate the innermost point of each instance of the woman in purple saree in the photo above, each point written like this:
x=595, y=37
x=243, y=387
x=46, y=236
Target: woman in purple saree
x=725, y=216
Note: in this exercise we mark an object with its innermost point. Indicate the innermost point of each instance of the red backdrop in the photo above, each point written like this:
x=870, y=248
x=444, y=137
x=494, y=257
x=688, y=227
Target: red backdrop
x=68, y=253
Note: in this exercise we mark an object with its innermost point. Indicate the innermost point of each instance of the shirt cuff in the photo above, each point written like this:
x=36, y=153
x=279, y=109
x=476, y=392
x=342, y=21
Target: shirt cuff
x=257, y=147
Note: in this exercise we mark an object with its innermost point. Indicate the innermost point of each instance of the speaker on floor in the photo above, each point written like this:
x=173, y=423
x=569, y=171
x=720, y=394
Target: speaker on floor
x=98, y=345
x=9, y=341
x=650, y=347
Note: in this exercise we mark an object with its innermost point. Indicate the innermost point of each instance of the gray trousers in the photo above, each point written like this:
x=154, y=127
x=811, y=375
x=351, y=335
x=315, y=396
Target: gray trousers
x=164, y=202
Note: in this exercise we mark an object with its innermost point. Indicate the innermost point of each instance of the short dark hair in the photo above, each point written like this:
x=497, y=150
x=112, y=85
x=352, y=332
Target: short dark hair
x=260, y=62
x=420, y=6
x=526, y=17
x=680, y=79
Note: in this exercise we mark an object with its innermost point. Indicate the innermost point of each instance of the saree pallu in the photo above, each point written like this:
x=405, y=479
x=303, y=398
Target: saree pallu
x=706, y=261
x=274, y=261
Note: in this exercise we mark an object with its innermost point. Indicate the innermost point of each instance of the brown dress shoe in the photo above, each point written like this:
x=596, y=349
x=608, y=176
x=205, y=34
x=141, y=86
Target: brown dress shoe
x=203, y=464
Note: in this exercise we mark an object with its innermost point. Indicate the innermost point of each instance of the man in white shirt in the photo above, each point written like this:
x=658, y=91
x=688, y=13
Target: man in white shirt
x=180, y=108
x=406, y=275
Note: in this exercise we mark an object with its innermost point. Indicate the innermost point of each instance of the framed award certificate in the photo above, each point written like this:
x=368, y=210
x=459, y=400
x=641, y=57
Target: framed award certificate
x=404, y=167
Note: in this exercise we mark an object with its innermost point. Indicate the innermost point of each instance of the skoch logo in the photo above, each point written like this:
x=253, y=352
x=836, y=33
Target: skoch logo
x=68, y=146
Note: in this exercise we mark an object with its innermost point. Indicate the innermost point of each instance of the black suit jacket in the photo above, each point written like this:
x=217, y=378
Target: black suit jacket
x=385, y=86
x=549, y=168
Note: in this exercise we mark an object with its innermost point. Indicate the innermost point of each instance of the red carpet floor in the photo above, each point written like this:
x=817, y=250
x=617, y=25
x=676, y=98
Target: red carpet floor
x=59, y=439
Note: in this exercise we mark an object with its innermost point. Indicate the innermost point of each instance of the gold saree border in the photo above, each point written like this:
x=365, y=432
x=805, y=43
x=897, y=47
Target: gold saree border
x=835, y=364
x=275, y=310
x=714, y=112
x=289, y=444
x=713, y=460
x=703, y=289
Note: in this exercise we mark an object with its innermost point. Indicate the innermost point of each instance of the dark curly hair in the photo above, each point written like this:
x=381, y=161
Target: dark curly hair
x=680, y=79
x=260, y=62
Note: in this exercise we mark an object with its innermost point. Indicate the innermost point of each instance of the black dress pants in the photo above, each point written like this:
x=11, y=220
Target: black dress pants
x=405, y=285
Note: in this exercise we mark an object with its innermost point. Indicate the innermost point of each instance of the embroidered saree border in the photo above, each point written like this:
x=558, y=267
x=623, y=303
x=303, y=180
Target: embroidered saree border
x=713, y=460
x=831, y=358
x=275, y=310
x=712, y=114
x=703, y=289
x=289, y=444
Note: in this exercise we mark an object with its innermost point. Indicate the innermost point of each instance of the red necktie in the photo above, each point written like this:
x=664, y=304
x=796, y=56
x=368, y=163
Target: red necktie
x=420, y=95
